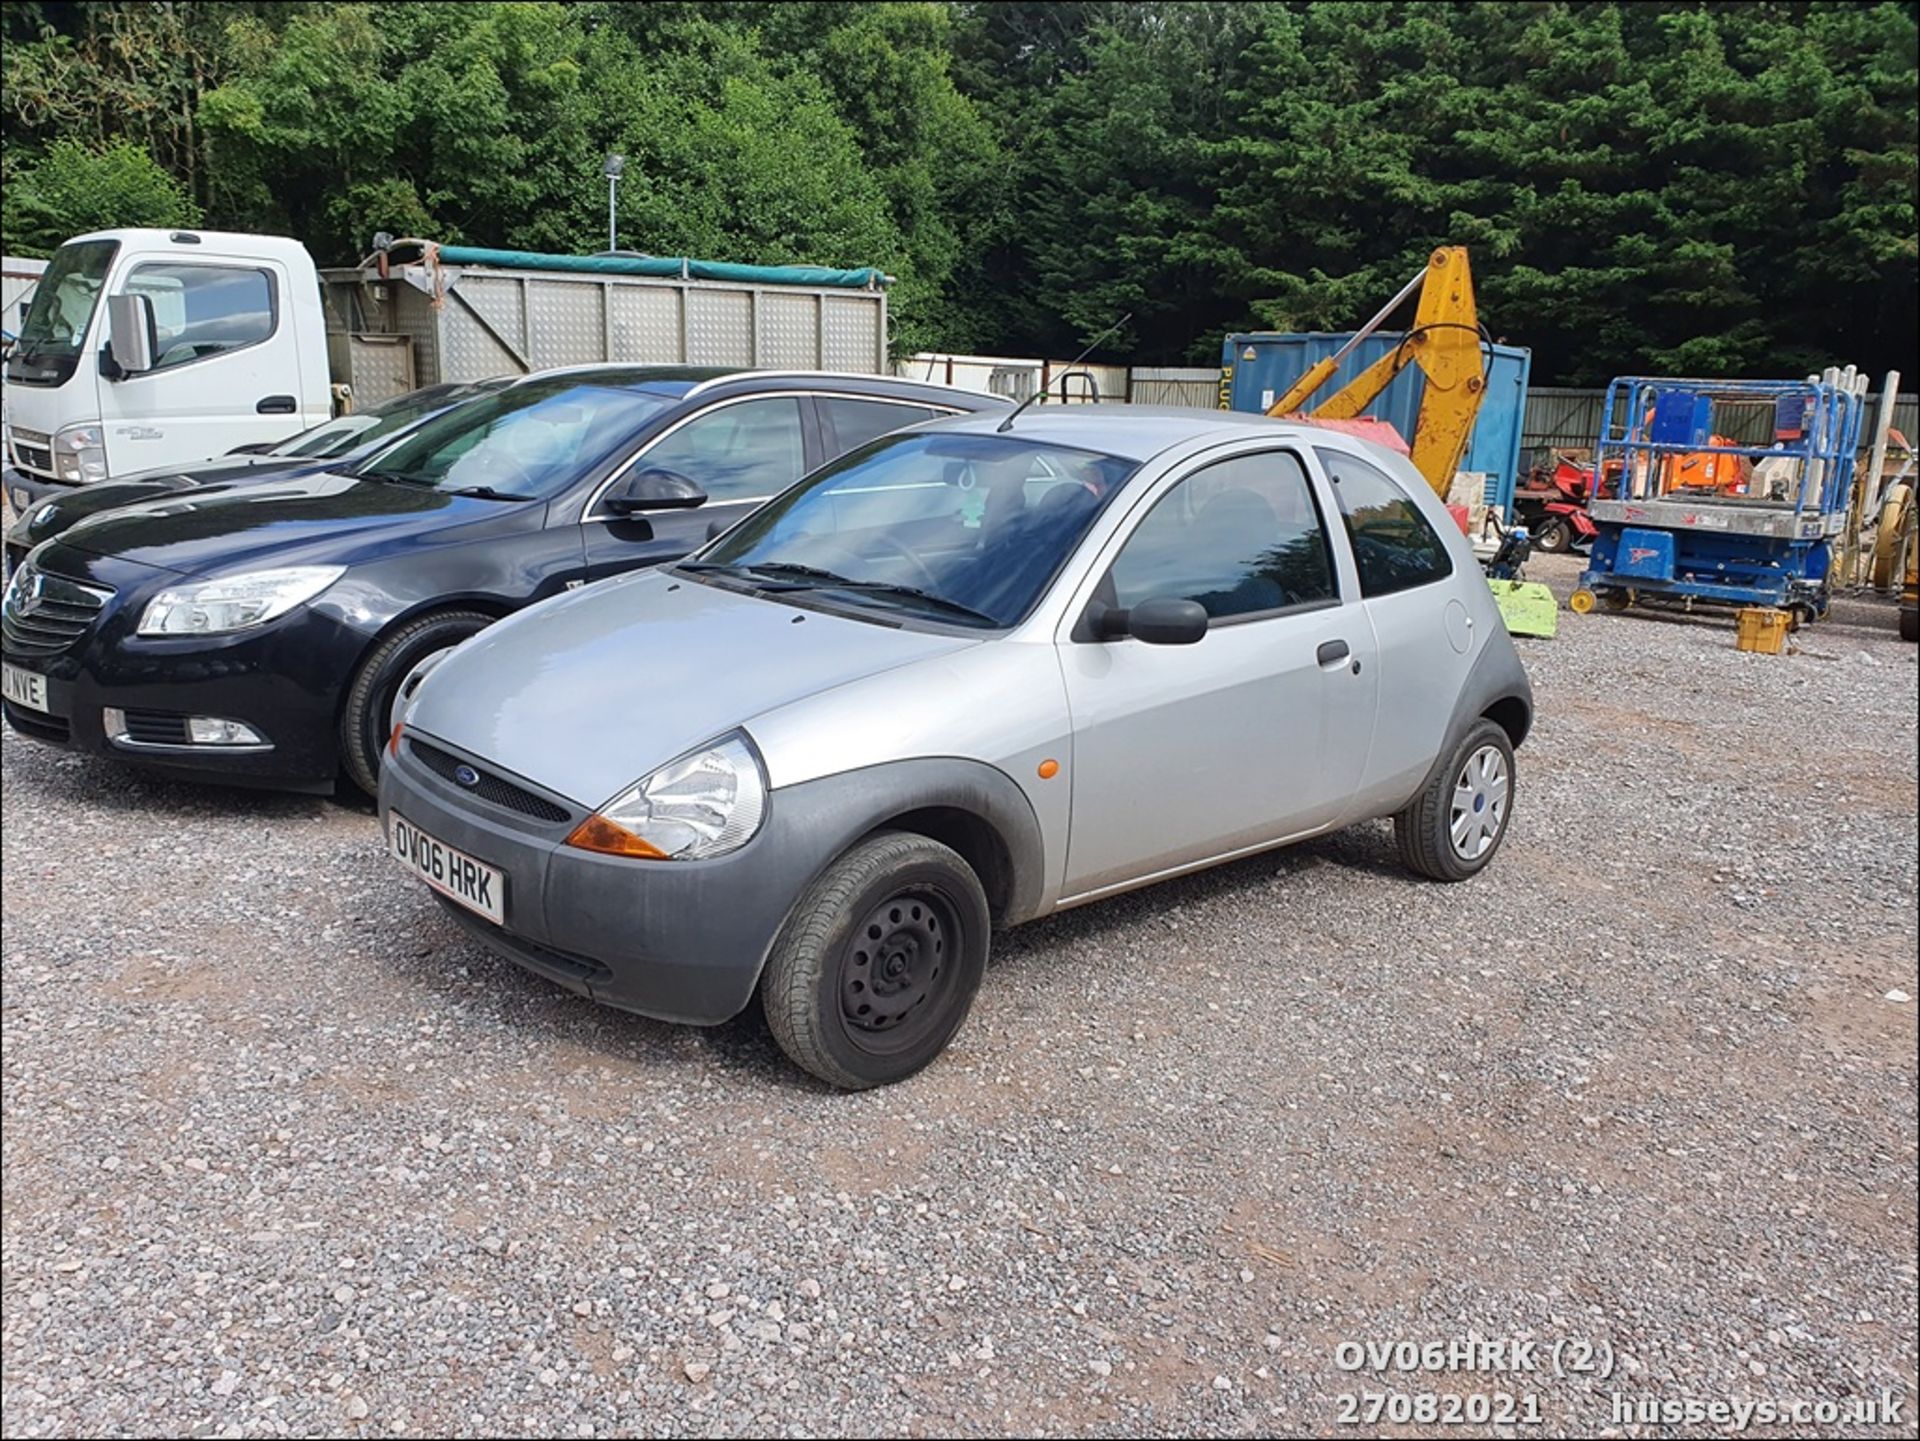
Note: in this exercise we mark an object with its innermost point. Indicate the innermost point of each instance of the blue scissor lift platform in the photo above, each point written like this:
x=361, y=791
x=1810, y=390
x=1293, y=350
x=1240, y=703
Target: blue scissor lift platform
x=1759, y=532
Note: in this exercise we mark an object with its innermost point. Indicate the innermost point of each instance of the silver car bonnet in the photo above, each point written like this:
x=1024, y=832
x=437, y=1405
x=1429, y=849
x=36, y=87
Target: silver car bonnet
x=586, y=693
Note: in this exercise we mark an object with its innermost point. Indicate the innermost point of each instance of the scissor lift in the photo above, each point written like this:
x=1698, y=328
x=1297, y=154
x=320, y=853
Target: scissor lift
x=1727, y=492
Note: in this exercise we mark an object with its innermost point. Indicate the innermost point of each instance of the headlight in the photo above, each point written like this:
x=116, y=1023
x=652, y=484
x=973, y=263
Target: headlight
x=704, y=804
x=234, y=602
x=80, y=454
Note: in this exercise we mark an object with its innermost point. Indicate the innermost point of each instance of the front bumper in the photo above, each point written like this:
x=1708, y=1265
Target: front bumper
x=283, y=680
x=676, y=940
x=22, y=490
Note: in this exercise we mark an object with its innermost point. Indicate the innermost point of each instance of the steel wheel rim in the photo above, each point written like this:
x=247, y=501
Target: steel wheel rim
x=1479, y=811
x=897, y=968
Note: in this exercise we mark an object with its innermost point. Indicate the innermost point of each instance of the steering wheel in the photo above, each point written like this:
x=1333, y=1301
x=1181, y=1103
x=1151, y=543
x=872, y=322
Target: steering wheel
x=890, y=543
x=492, y=467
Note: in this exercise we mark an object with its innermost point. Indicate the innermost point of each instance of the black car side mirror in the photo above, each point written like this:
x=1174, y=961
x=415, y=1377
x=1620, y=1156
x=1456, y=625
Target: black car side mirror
x=1156, y=622
x=654, y=489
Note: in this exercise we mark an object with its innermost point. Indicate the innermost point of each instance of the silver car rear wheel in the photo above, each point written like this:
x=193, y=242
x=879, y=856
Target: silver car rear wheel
x=1479, y=803
x=1452, y=829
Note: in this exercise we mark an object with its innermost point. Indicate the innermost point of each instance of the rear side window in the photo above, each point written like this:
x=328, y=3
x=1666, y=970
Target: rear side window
x=855, y=422
x=1393, y=546
x=1242, y=537
x=202, y=310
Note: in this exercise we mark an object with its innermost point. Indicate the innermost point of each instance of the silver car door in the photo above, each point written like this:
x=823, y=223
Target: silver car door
x=1423, y=631
x=1259, y=732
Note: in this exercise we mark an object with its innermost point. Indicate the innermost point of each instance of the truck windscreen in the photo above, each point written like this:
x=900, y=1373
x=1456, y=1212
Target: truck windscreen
x=50, y=338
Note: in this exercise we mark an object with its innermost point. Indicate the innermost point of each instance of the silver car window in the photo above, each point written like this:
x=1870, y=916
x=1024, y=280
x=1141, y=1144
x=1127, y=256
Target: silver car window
x=1393, y=546
x=1242, y=537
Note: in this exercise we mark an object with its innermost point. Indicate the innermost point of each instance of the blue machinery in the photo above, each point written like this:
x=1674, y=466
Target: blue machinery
x=1723, y=491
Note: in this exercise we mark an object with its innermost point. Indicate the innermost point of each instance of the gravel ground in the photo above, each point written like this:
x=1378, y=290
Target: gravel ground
x=284, y=1154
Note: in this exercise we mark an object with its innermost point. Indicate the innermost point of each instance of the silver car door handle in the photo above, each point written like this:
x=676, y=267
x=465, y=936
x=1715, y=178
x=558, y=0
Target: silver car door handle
x=1332, y=652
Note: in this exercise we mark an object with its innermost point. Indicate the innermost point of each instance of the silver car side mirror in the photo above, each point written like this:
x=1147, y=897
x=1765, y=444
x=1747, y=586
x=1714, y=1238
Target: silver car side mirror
x=1155, y=622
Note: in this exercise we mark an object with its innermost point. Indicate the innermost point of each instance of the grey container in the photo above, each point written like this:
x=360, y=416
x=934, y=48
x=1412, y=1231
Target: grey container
x=427, y=320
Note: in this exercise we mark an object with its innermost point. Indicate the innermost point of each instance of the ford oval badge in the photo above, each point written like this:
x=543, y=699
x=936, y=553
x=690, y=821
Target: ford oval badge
x=467, y=776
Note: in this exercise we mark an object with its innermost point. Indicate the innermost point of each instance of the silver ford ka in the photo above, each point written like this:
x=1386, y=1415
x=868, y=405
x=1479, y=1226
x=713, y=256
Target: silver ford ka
x=965, y=676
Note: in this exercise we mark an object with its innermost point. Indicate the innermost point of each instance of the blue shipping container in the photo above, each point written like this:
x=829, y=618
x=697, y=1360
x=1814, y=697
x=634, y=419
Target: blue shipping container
x=1255, y=370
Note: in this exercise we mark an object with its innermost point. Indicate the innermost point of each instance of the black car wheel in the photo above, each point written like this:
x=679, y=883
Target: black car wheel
x=878, y=964
x=366, y=720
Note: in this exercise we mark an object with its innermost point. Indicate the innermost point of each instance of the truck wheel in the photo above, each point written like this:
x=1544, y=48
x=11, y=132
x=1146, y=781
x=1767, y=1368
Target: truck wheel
x=366, y=720
x=877, y=965
x=1455, y=825
x=1554, y=536
x=1909, y=623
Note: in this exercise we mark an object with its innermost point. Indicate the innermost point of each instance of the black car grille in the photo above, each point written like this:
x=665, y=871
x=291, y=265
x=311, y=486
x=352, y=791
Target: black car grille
x=43, y=613
x=156, y=728
x=489, y=787
x=34, y=457
x=46, y=727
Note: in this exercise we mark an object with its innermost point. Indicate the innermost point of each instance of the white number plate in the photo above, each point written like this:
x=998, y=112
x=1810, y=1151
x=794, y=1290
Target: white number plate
x=23, y=687
x=452, y=873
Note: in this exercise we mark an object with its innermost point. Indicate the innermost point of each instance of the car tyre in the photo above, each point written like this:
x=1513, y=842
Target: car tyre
x=877, y=965
x=366, y=718
x=1454, y=827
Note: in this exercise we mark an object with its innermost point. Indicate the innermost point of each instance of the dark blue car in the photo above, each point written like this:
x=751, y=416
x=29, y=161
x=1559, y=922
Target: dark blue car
x=262, y=633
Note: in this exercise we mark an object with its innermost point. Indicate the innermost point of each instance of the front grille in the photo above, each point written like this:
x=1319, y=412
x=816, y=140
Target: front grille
x=32, y=450
x=489, y=787
x=156, y=728
x=43, y=613
x=32, y=723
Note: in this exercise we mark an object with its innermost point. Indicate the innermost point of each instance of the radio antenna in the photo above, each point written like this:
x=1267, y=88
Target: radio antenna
x=1004, y=426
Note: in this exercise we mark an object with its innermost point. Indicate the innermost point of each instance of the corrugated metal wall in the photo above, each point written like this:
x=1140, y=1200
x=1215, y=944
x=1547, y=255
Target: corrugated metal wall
x=1570, y=418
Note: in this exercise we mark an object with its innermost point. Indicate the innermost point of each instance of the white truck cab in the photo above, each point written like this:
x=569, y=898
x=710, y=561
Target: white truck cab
x=223, y=345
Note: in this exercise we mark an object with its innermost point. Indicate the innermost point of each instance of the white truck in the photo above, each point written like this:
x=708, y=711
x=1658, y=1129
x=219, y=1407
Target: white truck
x=147, y=348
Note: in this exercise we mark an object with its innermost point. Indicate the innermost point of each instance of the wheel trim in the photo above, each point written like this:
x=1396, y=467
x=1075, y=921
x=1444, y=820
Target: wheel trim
x=1479, y=810
x=896, y=968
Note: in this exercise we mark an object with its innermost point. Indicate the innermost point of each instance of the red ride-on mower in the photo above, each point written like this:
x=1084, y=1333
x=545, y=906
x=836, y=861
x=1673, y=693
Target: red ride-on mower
x=1552, y=504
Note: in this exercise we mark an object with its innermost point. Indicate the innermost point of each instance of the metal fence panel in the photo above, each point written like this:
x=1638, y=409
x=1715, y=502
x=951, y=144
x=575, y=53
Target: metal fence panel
x=1188, y=385
x=1569, y=419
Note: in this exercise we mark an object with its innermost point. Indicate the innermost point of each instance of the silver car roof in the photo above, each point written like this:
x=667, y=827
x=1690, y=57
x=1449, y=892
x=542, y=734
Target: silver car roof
x=1133, y=432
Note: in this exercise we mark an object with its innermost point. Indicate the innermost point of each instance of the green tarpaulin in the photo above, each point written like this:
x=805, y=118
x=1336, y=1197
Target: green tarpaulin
x=665, y=266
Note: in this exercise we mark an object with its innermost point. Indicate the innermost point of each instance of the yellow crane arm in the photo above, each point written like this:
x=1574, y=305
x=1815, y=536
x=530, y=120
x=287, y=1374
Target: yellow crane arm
x=1444, y=343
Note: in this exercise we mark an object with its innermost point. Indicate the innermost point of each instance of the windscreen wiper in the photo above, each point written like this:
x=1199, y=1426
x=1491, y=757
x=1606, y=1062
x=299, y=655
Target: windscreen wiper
x=785, y=573
x=915, y=593
x=487, y=492
x=812, y=577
